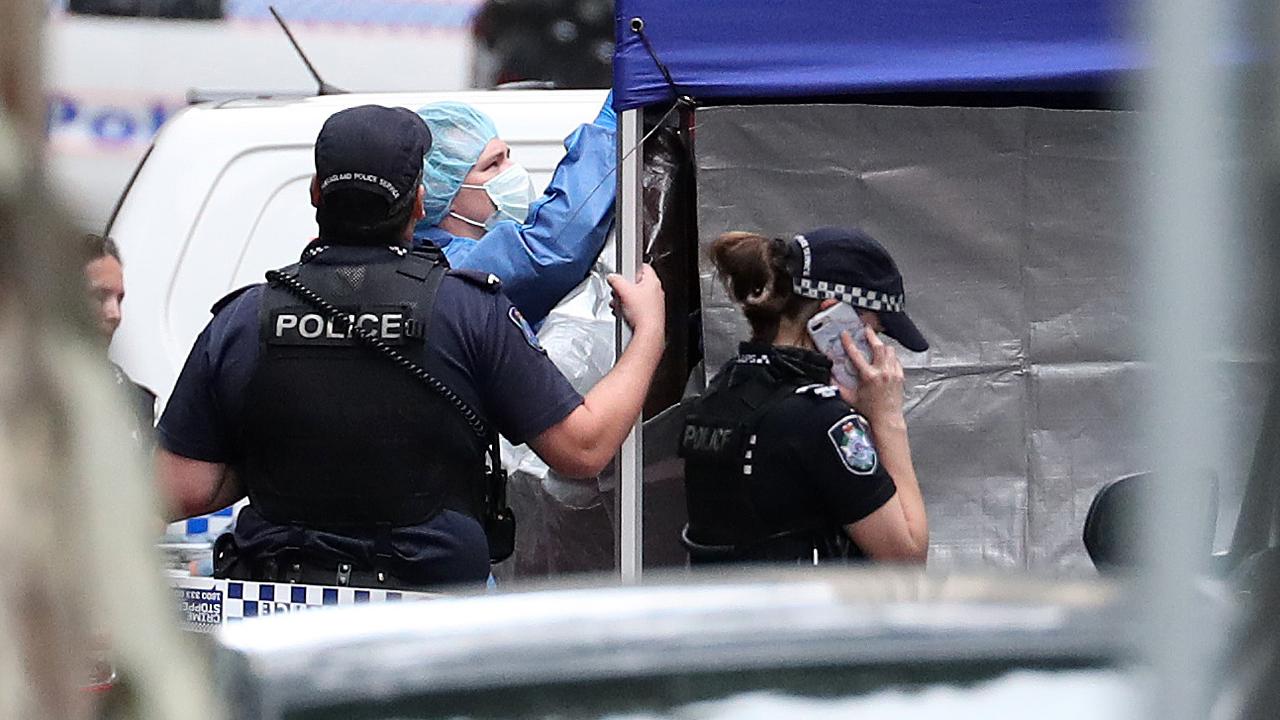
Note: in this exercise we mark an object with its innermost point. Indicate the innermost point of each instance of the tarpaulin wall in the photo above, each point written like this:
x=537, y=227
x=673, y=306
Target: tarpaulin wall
x=1011, y=227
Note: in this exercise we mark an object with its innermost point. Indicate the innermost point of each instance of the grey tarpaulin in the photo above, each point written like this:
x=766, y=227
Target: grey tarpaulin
x=1011, y=227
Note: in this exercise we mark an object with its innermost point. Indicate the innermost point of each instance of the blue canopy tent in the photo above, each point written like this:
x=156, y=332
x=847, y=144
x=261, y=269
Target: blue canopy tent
x=727, y=51
x=737, y=49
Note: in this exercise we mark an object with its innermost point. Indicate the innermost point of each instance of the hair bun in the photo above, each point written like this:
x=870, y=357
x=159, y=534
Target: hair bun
x=754, y=271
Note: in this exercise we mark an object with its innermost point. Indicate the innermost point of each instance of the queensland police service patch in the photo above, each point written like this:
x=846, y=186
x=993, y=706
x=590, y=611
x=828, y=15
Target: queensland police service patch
x=852, y=440
x=526, y=329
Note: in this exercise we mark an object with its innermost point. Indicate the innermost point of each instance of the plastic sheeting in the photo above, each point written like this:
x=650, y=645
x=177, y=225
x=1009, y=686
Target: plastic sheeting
x=565, y=525
x=737, y=49
x=1010, y=229
x=671, y=238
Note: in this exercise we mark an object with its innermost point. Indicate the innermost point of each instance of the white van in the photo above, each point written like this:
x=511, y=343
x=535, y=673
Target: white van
x=222, y=197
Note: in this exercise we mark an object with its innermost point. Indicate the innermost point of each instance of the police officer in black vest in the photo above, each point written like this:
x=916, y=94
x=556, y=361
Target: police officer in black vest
x=781, y=465
x=356, y=397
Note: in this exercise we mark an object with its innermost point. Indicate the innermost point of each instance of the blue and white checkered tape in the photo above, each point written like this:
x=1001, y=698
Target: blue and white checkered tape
x=212, y=525
x=208, y=603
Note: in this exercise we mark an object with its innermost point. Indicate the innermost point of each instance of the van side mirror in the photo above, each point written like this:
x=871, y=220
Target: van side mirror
x=1113, y=527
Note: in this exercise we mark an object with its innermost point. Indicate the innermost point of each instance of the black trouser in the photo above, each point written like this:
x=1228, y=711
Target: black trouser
x=794, y=546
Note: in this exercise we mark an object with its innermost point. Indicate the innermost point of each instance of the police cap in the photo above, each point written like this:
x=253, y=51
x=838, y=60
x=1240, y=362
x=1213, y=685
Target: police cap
x=372, y=154
x=849, y=265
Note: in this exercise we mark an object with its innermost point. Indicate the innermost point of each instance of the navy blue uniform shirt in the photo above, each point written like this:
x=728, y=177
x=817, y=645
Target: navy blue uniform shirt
x=474, y=345
x=815, y=455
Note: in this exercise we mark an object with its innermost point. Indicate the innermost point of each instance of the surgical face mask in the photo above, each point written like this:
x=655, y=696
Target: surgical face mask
x=511, y=192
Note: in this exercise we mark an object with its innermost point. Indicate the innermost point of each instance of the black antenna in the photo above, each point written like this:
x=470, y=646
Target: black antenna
x=324, y=87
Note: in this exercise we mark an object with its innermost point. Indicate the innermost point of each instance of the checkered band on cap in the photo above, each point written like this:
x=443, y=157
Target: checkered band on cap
x=859, y=297
x=803, y=242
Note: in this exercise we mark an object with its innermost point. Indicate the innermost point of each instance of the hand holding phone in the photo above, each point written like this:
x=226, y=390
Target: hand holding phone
x=825, y=329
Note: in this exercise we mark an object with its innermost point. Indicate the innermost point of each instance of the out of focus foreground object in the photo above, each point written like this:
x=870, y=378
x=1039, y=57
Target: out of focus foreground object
x=567, y=43
x=870, y=644
x=1250, y=683
x=75, y=555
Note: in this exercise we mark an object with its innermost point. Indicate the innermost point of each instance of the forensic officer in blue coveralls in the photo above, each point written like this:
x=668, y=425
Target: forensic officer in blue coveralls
x=482, y=208
x=355, y=397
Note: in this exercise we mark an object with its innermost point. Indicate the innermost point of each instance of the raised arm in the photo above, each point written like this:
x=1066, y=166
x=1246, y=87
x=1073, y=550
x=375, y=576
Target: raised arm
x=543, y=259
x=582, y=444
x=899, y=529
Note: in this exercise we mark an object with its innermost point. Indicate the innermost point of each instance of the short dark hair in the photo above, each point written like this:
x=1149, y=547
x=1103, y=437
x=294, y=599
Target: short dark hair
x=99, y=246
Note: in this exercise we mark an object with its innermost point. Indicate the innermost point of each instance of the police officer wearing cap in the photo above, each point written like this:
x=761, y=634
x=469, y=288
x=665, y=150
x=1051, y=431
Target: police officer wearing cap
x=355, y=398
x=782, y=465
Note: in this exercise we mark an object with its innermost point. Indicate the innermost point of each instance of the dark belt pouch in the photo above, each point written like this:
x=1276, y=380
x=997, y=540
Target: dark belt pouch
x=226, y=557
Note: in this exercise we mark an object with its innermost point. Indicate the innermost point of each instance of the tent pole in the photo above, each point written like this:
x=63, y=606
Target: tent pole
x=630, y=249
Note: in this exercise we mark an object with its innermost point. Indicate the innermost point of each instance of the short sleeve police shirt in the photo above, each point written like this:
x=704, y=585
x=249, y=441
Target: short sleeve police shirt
x=478, y=345
x=819, y=453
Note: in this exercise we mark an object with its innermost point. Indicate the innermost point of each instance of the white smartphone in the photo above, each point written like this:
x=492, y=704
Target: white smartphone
x=825, y=329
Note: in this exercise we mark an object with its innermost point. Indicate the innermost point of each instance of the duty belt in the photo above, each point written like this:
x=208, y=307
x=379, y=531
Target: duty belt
x=295, y=565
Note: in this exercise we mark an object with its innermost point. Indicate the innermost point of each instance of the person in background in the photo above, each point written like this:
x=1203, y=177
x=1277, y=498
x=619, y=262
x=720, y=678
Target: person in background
x=781, y=465
x=104, y=278
x=483, y=211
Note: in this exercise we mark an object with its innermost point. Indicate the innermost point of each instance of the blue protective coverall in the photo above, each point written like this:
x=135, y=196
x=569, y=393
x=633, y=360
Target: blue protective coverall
x=544, y=258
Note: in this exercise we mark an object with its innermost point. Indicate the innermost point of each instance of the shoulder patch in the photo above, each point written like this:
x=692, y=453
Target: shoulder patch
x=851, y=438
x=229, y=298
x=525, y=328
x=487, y=281
x=822, y=391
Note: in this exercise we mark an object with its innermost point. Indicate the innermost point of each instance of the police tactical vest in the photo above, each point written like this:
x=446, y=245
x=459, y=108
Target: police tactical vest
x=720, y=444
x=337, y=436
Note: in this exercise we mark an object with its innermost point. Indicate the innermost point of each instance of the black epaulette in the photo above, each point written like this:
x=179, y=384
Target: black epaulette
x=229, y=298
x=430, y=251
x=487, y=281
x=819, y=391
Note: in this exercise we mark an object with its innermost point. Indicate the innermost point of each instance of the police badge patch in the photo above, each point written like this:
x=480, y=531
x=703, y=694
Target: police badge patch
x=526, y=329
x=852, y=440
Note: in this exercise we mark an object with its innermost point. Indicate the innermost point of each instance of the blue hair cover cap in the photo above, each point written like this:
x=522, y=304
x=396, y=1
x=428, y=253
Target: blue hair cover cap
x=459, y=133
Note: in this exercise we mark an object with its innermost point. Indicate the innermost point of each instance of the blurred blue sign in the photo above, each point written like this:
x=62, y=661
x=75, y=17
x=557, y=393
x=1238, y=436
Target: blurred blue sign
x=107, y=125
